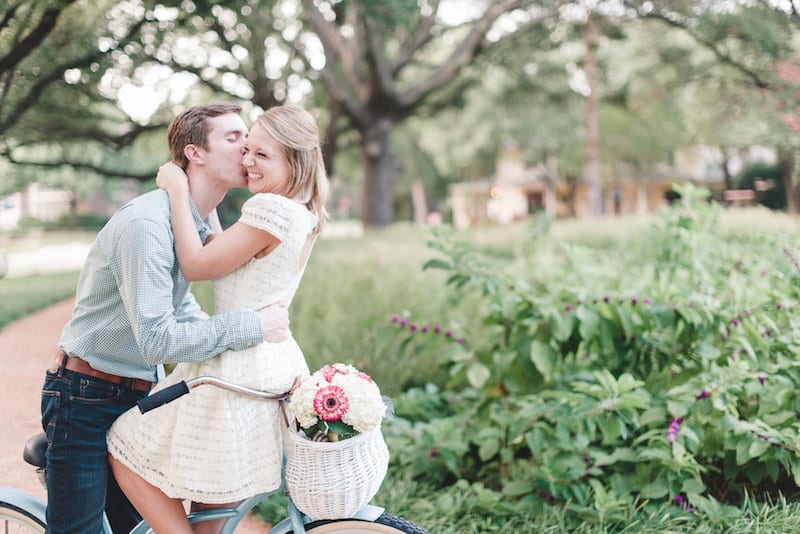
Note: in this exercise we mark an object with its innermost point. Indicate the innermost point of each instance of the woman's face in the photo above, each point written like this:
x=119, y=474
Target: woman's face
x=265, y=163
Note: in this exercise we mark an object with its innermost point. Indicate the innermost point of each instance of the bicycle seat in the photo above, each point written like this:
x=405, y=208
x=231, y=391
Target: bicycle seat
x=35, y=449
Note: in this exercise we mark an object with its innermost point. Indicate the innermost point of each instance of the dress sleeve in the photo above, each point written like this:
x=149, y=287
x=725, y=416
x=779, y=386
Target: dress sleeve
x=269, y=212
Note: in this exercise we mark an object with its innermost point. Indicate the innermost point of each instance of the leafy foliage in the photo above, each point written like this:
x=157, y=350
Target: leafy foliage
x=660, y=374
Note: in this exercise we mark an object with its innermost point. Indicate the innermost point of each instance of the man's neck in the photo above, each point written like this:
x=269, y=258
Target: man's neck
x=205, y=195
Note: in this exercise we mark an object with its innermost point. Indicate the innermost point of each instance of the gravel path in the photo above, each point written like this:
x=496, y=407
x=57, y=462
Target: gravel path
x=27, y=347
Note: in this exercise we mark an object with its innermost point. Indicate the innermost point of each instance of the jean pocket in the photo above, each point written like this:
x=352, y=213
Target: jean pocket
x=95, y=392
x=51, y=402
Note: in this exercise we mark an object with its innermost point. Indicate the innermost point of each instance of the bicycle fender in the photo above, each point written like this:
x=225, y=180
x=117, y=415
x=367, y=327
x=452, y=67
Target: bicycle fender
x=24, y=501
x=368, y=513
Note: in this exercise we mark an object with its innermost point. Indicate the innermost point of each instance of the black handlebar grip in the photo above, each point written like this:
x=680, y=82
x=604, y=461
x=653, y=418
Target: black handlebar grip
x=159, y=398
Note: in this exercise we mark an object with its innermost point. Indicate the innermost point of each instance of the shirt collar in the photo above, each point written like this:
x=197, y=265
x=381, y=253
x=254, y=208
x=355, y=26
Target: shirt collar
x=203, y=225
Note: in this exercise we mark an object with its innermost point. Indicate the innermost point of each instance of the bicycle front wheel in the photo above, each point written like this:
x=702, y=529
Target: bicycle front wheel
x=385, y=524
x=18, y=521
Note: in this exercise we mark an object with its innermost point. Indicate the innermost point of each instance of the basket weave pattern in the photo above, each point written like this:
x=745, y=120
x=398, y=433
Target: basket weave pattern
x=333, y=480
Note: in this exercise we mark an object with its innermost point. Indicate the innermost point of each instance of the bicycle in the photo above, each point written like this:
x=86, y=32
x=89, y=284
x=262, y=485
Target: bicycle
x=23, y=512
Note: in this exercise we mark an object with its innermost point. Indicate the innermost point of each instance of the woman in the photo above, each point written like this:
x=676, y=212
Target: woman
x=215, y=447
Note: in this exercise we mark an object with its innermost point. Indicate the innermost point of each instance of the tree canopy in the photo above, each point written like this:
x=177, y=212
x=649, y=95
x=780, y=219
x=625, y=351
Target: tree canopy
x=70, y=69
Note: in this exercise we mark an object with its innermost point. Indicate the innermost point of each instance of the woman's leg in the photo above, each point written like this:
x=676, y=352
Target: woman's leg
x=164, y=514
x=209, y=527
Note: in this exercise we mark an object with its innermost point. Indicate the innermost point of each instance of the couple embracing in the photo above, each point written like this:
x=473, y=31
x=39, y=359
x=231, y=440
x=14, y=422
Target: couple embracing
x=134, y=312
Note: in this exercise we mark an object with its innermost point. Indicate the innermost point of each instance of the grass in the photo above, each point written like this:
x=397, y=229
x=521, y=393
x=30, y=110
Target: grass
x=22, y=296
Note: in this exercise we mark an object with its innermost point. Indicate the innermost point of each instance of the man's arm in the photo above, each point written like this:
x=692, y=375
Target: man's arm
x=143, y=272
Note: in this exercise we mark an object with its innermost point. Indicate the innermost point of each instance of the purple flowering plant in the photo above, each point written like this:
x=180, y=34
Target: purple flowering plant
x=575, y=381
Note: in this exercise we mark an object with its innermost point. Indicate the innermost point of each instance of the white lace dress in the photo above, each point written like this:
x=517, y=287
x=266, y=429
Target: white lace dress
x=213, y=446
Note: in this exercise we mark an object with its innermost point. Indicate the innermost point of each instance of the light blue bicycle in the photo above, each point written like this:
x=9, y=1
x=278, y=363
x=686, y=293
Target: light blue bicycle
x=21, y=512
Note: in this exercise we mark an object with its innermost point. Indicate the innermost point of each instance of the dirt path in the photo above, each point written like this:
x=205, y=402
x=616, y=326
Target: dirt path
x=27, y=347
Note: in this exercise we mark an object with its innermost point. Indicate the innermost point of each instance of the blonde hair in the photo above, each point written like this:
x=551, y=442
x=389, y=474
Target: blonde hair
x=296, y=131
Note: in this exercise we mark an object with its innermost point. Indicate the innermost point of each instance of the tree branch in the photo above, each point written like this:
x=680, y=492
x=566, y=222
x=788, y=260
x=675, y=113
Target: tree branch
x=111, y=173
x=710, y=45
x=38, y=34
x=461, y=56
x=336, y=51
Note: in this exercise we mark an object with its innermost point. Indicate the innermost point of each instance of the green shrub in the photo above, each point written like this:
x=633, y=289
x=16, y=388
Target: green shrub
x=659, y=372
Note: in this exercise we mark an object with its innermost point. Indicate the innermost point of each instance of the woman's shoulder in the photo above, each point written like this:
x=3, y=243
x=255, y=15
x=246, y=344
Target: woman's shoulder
x=275, y=202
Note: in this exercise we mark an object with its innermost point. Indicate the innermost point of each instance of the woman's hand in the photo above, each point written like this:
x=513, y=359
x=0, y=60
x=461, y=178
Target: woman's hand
x=172, y=179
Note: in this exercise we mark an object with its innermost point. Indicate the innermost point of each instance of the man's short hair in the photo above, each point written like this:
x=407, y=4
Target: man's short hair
x=191, y=128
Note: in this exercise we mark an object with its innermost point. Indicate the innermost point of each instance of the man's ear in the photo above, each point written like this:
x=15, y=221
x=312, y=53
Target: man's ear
x=194, y=154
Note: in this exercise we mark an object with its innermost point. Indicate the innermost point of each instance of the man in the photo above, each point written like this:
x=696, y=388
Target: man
x=133, y=313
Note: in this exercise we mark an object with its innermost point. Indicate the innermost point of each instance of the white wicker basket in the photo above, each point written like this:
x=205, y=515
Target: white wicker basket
x=333, y=480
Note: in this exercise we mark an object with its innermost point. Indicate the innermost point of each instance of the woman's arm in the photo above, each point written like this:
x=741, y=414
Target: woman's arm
x=225, y=253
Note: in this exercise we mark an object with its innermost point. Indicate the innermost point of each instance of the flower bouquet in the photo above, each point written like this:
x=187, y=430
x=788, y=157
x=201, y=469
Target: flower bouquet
x=337, y=460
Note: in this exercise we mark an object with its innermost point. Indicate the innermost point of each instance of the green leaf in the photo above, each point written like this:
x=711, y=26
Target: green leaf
x=544, y=358
x=478, y=374
x=758, y=447
x=589, y=323
x=562, y=326
x=517, y=488
x=437, y=264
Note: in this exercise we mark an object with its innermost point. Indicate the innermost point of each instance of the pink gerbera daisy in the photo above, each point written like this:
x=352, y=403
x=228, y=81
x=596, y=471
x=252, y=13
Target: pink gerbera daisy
x=331, y=403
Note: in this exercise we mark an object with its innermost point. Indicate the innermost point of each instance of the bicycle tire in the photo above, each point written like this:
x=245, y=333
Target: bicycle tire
x=384, y=524
x=16, y=520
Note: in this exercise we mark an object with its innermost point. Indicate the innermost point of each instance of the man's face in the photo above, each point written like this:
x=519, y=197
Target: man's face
x=226, y=141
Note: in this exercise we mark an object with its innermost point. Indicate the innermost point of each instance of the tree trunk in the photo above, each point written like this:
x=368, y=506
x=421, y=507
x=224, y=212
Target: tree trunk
x=592, y=155
x=331, y=141
x=786, y=161
x=380, y=171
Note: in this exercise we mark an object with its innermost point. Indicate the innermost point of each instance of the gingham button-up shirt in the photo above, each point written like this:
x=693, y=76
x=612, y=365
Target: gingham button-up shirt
x=133, y=308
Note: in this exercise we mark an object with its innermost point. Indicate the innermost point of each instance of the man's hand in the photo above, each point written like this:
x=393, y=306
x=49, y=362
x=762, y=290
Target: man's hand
x=275, y=322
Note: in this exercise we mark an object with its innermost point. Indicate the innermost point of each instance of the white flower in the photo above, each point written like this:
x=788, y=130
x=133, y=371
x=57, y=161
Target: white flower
x=366, y=408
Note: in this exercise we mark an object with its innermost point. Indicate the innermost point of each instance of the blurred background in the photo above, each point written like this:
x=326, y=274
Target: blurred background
x=462, y=111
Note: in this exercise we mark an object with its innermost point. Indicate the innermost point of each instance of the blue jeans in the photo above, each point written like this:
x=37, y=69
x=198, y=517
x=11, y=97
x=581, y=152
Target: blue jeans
x=77, y=411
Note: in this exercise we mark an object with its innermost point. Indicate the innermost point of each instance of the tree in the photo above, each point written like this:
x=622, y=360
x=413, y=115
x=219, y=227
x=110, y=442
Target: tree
x=380, y=74
x=53, y=110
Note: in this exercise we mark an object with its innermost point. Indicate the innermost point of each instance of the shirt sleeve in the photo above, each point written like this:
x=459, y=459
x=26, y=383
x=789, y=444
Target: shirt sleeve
x=269, y=212
x=144, y=277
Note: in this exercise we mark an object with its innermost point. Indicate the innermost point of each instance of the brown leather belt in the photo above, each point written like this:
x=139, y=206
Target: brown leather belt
x=80, y=366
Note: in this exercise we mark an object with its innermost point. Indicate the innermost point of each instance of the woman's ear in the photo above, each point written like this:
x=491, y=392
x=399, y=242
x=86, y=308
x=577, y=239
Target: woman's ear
x=193, y=154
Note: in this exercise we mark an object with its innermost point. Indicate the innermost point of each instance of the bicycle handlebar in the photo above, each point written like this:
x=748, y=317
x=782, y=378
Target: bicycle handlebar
x=169, y=394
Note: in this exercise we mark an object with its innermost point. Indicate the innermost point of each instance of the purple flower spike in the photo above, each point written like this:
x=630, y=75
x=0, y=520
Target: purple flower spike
x=413, y=327
x=634, y=301
x=403, y=323
x=674, y=427
x=448, y=334
x=460, y=341
x=606, y=299
x=762, y=379
x=395, y=318
x=734, y=322
x=647, y=300
x=679, y=500
x=568, y=307
x=425, y=329
x=703, y=394
x=437, y=329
